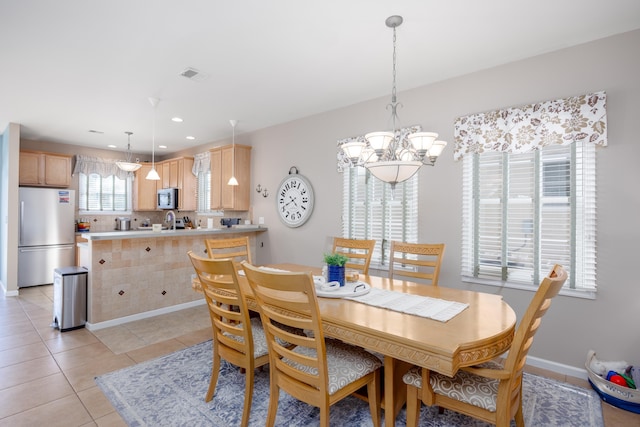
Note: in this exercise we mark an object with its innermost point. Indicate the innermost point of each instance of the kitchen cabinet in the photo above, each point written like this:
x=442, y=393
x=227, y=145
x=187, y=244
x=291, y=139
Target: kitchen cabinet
x=176, y=173
x=44, y=169
x=225, y=161
x=144, y=190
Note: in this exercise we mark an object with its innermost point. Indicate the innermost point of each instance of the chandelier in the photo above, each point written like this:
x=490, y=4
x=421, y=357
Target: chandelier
x=128, y=165
x=391, y=156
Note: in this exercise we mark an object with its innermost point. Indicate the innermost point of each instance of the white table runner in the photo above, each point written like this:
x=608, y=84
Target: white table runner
x=433, y=308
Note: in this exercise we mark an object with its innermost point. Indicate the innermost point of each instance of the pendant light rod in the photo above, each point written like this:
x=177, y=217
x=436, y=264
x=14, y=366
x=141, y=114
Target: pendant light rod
x=128, y=165
x=233, y=180
x=153, y=174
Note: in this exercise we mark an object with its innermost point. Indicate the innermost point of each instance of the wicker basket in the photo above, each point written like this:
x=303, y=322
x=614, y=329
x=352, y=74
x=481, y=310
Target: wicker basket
x=621, y=397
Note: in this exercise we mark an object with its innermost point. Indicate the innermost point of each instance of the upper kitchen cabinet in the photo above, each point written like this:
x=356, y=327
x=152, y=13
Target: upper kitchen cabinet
x=176, y=173
x=226, y=161
x=45, y=169
x=144, y=190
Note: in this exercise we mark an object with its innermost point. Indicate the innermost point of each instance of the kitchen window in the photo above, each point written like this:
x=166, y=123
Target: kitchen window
x=204, y=192
x=103, y=194
x=529, y=192
x=372, y=210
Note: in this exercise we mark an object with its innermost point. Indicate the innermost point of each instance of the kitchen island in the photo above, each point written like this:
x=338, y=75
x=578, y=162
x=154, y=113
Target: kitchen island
x=139, y=274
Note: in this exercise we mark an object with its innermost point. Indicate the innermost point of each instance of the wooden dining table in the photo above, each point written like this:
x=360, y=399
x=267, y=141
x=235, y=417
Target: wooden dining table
x=479, y=333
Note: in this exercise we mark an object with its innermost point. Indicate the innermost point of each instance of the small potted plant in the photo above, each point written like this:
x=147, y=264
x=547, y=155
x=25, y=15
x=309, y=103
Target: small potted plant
x=335, y=267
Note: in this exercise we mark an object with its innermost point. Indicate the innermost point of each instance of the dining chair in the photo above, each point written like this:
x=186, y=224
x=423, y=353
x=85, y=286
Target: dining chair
x=316, y=371
x=236, y=248
x=416, y=260
x=237, y=338
x=359, y=252
x=492, y=391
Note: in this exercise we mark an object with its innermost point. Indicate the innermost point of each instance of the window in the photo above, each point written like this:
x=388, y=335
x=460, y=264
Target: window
x=98, y=194
x=525, y=215
x=204, y=192
x=372, y=210
x=529, y=192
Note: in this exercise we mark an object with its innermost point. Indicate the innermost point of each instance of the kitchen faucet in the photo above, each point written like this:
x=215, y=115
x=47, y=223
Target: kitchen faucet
x=173, y=219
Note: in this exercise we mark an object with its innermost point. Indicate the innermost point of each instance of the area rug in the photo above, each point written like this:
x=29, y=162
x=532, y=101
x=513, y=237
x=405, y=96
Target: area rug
x=170, y=390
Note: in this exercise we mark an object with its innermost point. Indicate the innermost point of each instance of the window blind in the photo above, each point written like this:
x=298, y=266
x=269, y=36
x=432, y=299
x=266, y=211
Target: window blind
x=371, y=210
x=96, y=193
x=525, y=212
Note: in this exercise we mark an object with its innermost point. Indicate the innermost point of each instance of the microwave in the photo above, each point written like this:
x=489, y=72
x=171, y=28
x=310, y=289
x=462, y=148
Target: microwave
x=168, y=198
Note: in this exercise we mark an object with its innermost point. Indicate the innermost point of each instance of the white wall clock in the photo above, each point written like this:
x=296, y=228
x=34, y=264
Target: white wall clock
x=294, y=199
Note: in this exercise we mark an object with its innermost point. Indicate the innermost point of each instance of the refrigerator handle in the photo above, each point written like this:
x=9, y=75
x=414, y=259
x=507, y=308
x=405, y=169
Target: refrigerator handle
x=21, y=231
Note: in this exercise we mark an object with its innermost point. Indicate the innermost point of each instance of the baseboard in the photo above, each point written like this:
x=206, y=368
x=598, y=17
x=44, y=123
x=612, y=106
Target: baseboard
x=556, y=367
x=145, y=315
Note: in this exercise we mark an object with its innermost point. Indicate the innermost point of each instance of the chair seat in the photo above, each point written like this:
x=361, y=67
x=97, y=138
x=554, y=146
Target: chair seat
x=260, y=347
x=464, y=386
x=346, y=363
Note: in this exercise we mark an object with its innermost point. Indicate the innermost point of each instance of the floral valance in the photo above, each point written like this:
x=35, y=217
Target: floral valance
x=343, y=162
x=103, y=167
x=201, y=163
x=533, y=126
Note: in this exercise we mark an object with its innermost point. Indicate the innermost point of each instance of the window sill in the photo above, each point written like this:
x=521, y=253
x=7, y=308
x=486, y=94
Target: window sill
x=97, y=213
x=509, y=285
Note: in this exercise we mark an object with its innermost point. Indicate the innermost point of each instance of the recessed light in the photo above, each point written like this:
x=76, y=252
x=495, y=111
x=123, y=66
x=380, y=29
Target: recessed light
x=162, y=146
x=95, y=131
x=191, y=137
x=111, y=146
x=176, y=119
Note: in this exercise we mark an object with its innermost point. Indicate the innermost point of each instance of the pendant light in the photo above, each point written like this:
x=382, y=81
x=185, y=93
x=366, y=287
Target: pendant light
x=387, y=155
x=233, y=180
x=128, y=165
x=153, y=175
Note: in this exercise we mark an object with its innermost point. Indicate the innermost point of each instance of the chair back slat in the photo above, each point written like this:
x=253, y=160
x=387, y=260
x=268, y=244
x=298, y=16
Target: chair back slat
x=236, y=248
x=416, y=261
x=358, y=251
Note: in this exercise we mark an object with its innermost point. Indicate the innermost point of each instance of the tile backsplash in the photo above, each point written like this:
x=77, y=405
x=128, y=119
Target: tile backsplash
x=101, y=223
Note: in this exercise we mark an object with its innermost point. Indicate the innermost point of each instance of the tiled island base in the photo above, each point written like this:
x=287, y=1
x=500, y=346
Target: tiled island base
x=142, y=276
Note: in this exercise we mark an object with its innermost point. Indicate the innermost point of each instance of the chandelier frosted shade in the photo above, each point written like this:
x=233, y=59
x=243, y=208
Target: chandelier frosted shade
x=353, y=149
x=128, y=167
x=436, y=148
x=422, y=141
x=379, y=140
x=393, y=171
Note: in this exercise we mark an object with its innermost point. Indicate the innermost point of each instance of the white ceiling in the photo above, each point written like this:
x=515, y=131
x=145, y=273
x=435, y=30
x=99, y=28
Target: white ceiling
x=70, y=66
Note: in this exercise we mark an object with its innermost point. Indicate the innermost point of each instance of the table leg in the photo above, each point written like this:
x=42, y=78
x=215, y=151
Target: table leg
x=395, y=392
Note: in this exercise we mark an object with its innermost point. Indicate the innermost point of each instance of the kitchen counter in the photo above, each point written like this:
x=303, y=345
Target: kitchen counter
x=136, y=234
x=139, y=274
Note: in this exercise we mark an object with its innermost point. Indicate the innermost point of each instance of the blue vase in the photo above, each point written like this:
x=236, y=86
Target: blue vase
x=335, y=273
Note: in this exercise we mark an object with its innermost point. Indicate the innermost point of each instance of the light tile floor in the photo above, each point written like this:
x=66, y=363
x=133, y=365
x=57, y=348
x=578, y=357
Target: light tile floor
x=46, y=377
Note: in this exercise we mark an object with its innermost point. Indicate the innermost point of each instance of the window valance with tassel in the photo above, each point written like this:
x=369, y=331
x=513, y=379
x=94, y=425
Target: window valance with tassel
x=201, y=163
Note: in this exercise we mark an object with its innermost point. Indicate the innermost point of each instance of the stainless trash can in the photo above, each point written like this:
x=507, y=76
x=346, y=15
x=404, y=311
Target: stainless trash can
x=69, y=298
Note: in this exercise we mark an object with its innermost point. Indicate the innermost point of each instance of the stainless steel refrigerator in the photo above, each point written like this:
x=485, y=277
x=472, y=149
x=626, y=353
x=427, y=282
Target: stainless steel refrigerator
x=46, y=234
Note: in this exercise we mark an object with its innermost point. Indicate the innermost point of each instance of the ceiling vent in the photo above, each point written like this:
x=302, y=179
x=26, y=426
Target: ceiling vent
x=193, y=74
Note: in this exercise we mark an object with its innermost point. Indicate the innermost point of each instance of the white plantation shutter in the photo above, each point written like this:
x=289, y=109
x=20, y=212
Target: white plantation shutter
x=371, y=210
x=523, y=213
